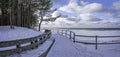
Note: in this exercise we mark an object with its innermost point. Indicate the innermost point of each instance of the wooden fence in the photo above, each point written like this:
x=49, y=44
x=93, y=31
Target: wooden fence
x=72, y=36
x=67, y=33
x=32, y=42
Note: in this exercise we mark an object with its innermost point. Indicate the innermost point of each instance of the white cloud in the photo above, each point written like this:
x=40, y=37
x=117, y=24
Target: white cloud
x=93, y=7
x=60, y=22
x=113, y=12
x=55, y=14
x=83, y=3
x=117, y=5
x=84, y=15
x=84, y=10
x=73, y=7
x=88, y=17
x=64, y=22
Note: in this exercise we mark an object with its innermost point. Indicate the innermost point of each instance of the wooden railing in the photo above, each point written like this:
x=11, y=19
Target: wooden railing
x=67, y=33
x=73, y=36
x=44, y=54
x=32, y=43
x=96, y=40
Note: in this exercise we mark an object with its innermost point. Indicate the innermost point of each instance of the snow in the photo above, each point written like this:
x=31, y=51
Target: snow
x=64, y=47
x=105, y=50
x=7, y=48
x=98, y=33
x=35, y=52
x=7, y=34
x=111, y=50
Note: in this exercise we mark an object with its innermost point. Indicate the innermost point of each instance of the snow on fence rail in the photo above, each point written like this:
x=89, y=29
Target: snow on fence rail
x=34, y=42
x=72, y=37
x=69, y=34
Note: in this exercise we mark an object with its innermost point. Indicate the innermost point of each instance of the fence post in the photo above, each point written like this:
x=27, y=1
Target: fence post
x=61, y=31
x=31, y=44
x=18, y=46
x=73, y=37
x=96, y=42
x=66, y=32
x=19, y=50
x=70, y=34
x=36, y=41
x=58, y=31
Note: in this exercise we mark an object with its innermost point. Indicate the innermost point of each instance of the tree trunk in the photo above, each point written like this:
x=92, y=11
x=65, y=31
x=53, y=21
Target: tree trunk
x=40, y=22
x=12, y=17
x=10, y=13
x=2, y=16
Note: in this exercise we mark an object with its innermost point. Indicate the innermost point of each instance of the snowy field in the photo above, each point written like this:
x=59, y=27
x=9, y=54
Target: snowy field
x=105, y=50
x=7, y=34
x=98, y=33
x=112, y=50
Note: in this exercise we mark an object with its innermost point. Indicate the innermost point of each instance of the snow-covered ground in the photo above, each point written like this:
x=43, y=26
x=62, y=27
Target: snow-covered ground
x=98, y=33
x=64, y=47
x=7, y=34
x=105, y=50
x=35, y=52
x=111, y=50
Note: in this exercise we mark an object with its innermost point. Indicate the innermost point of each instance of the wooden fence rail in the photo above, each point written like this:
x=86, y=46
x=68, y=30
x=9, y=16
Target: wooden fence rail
x=97, y=36
x=34, y=42
x=96, y=39
x=67, y=33
x=73, y=36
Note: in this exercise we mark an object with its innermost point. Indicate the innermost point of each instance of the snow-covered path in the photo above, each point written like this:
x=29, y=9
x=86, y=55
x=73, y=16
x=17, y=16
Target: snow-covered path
x=64, y=47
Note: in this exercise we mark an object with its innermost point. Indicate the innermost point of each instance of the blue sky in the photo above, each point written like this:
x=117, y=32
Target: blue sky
x=86, y=13
x=106, y=3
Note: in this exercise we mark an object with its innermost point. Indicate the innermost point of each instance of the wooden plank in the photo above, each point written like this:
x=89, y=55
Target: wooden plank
x=35, y=42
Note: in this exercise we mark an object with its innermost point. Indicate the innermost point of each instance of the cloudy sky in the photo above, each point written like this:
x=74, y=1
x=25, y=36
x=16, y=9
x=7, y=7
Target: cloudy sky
x=86, y=13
